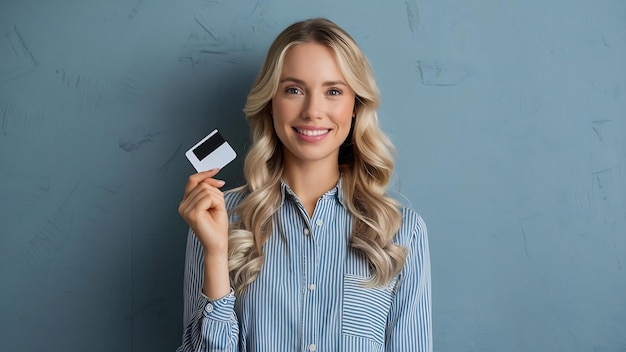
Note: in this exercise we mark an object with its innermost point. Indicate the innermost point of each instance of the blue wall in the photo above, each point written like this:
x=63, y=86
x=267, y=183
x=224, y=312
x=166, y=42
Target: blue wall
x=509, y=118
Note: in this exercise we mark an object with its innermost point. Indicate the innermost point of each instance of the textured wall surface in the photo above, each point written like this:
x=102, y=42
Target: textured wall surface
x=509, y=118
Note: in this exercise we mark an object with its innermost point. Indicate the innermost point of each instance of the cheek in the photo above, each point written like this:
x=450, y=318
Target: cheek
x=346, y=115
x=279, y=127
x=348, y=107
x=283, y=114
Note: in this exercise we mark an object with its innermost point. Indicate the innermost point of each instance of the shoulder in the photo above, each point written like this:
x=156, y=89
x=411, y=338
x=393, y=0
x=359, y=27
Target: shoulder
x=234, y=196
x=413, y=228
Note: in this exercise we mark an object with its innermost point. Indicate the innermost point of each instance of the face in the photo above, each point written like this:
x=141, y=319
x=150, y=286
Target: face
x=313, y=106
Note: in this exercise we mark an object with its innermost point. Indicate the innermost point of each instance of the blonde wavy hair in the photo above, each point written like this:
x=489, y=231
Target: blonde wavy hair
x=366, y=161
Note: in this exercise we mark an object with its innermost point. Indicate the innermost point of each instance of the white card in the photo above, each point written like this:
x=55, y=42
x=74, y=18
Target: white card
x=212, y=152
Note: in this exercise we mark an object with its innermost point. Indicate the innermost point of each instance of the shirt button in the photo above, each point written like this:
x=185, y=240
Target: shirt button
x=312, y=347
x=312, y=287
x=319, y=222
x=209, y=308
x=306, y=232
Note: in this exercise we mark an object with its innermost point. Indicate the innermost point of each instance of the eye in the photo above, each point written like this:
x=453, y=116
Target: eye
x=292, y=90
x=334, y=91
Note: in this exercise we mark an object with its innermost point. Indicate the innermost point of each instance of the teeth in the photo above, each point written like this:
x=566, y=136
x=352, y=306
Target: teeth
x=312, y=133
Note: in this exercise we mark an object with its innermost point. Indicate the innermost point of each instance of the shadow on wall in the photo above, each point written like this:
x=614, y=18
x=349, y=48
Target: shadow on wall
x=231, y=121
x=202, y=105
x=217, y=102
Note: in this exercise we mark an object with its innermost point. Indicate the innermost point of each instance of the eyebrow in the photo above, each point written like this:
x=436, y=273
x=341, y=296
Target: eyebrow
x=301, y=82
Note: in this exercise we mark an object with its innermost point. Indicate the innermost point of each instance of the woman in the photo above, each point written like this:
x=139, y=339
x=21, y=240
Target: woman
x=310, y=254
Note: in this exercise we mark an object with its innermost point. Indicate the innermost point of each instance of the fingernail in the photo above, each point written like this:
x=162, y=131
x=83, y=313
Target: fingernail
x=220, y=183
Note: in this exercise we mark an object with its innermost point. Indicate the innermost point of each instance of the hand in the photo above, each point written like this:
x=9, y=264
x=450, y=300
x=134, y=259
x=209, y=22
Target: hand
x=204, y=209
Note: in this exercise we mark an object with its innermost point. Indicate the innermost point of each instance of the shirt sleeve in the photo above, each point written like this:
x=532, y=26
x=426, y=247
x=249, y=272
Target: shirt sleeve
x=409, y=325
x=207, y=325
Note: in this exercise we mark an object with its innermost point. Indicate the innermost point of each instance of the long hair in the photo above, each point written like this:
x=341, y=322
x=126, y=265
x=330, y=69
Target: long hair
x=366, y=161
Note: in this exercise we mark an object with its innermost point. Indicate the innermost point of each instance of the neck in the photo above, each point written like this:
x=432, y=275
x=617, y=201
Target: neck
x=309, y=181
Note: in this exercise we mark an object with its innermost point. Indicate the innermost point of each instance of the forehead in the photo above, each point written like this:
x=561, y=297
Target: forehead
x=311, y=60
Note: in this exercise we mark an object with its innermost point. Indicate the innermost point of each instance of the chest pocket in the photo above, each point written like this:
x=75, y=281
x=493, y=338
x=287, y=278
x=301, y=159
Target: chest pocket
x=365, y=310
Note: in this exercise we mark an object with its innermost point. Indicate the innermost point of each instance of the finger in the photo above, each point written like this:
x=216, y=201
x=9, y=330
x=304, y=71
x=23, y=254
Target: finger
x=208, y=173
x=214, y=182
x=216, y=199
x=192, y=196
x=204, y=206
x=203, y=197
x=195, y=179
x=196, y=204
x=195, y=195
x=208, y=185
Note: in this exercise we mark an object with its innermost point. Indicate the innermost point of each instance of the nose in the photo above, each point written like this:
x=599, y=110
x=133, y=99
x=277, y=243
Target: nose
x=313, y=106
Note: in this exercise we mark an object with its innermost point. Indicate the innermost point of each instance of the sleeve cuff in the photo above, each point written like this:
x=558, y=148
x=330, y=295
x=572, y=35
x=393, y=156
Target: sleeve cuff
x=219, y=309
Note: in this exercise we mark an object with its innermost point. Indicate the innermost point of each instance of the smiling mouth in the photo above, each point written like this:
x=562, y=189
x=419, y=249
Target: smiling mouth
x=312, y=133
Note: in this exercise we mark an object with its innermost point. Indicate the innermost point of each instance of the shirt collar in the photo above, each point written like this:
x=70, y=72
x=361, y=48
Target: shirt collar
x=336, y=192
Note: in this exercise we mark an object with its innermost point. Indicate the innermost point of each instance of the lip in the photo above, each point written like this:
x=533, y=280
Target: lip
x=311, y=133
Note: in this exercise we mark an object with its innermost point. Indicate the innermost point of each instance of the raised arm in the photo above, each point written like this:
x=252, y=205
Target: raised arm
x=210, y=323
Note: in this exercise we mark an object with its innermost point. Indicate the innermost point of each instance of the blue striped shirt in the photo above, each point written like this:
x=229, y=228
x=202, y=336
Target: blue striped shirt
x=309, y=295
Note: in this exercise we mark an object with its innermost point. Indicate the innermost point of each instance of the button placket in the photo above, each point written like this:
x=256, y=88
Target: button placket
x=311, y=270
